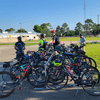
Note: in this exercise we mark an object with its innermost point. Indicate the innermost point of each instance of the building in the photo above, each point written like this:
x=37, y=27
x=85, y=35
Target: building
x=12, y=37
x=27, y=36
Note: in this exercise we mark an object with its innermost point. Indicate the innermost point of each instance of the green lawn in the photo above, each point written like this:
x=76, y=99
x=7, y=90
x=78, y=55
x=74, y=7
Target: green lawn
x=93, y=50
x=27, y=44
x=68, y=39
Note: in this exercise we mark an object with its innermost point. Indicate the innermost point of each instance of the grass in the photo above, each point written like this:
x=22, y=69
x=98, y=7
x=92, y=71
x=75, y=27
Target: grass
x=93, y=50
x=27, y=44
x=67, y=39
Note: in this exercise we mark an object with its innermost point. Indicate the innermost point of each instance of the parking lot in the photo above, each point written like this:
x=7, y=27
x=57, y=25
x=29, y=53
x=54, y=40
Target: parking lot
x=7, y=53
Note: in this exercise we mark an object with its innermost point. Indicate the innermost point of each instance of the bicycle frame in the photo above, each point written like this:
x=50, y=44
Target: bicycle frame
x=46, y=65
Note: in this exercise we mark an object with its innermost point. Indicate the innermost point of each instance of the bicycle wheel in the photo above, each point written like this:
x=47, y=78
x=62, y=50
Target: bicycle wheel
x=93, y=62
x=35, y=78
x=7, y=84
x=91, y=82
x=11, y=69
x=87, y=59
x=56, y=79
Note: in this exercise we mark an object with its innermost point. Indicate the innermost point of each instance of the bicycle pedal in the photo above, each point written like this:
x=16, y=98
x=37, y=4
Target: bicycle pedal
x=19, y=88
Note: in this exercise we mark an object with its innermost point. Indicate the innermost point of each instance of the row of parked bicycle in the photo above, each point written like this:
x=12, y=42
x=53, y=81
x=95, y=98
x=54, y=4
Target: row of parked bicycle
x=52, y=68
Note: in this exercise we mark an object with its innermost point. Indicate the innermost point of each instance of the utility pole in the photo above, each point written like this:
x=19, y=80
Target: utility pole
x=20, y=27
x=84, y=12
x=84, y=18
x=98, y=19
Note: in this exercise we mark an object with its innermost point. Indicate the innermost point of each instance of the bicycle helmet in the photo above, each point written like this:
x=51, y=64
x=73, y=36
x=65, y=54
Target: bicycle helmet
x=57, y=60
x=81, y=35
x=19, y=38
x=42, y=35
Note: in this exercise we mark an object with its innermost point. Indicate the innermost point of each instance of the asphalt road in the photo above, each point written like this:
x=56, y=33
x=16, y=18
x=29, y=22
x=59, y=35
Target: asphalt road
x=28, y=93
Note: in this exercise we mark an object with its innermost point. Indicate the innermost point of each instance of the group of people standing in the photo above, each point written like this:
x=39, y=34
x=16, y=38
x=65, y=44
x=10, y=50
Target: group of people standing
x=20, y=45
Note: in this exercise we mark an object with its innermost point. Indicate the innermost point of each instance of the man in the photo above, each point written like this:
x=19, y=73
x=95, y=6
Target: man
x=55, y=39
x=42, y=42
x=19, y=46
x=82, y=41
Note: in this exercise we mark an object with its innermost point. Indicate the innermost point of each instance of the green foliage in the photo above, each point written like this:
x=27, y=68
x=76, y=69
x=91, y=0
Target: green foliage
x=0, y=30
x=77, y=32
x=46, y=28
x=58, y=30
x=89, y=24
x=37, y=29
x=21, y=31
x=65, y=25
x=96, y=29
x=62, y=31
x=10, y=30
x=78, y=28
x=71, y=33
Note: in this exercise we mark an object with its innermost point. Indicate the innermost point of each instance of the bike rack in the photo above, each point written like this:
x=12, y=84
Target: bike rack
x=73, y=85
x=77, y=91
x=43, y=88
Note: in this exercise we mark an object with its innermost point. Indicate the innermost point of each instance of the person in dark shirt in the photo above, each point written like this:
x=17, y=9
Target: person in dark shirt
x=55, y=39
x=19, y=46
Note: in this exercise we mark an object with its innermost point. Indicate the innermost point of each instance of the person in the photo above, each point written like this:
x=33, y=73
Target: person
x=19, y=47
x=55, y=39
x=42, y=42
x=82, y=41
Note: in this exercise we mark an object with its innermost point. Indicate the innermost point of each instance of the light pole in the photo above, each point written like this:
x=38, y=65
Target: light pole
x=84, y=18
x=20, y=27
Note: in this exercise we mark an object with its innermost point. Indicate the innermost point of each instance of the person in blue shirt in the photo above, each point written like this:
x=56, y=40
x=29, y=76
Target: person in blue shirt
x=82, y=41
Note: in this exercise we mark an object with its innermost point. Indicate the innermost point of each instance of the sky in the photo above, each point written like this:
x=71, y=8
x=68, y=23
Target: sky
x=27, y=13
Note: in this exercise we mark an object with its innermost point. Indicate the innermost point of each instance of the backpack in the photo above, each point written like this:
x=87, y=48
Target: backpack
x=44, y=44
x=20, y=46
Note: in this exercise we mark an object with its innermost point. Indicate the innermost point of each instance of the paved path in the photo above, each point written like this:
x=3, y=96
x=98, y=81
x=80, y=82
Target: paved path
x=28, y=93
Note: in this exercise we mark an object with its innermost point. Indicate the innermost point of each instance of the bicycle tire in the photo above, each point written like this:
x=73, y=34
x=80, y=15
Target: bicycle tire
x=93, y=61
x=53, y=84
x=32, y=81
x=91, y=82
x=4, y=85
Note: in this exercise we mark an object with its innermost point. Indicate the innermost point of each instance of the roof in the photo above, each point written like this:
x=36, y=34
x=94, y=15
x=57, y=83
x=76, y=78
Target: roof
x=16, y=34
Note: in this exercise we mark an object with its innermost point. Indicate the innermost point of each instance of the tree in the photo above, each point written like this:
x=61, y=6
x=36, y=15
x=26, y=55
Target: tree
x=0, y=30
x=58, y=32
x=65, y=25
x=96, y=29
x=21, y=31
x=37, y=29
x=77, y=32
x=64, y=28
x=78, y=28
x=71, y=33
x=46, y=28
x=10, y=30
x=68, y=32
x=7, y=30
x=89, y=24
